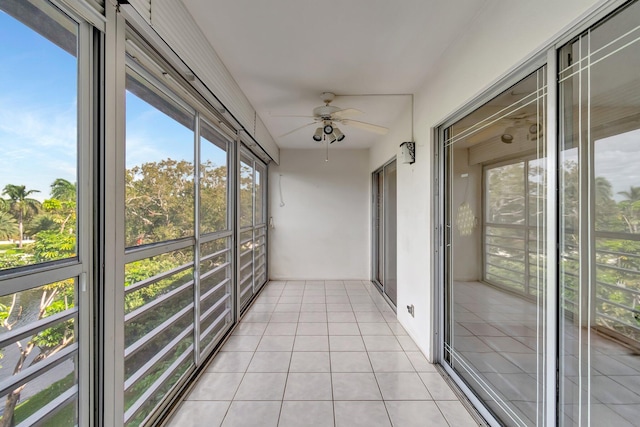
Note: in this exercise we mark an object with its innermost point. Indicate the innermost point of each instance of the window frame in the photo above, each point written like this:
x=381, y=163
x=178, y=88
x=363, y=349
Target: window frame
x=81, y=267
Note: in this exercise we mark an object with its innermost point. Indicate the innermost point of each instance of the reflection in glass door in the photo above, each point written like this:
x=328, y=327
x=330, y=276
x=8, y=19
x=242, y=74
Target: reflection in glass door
x=496, y=217
x=495, y=174
x=599, y=204
x=384, y=233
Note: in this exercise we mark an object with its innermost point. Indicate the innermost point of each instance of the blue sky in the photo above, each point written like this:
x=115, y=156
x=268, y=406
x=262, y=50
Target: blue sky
x=38, y=115
x=37, y=109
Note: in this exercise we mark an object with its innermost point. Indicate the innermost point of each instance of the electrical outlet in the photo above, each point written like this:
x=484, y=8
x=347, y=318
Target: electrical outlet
x=410, y=310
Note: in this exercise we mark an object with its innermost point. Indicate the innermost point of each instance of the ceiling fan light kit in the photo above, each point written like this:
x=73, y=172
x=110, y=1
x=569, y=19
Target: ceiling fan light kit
x=317, y=136
x=338, y=134
x=328, y=115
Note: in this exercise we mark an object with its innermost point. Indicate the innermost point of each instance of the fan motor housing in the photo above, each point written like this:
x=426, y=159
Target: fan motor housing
x=325, y=111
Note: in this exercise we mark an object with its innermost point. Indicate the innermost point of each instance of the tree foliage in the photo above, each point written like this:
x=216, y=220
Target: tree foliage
x=23, y=205
x=8, y=226
x=159, y=201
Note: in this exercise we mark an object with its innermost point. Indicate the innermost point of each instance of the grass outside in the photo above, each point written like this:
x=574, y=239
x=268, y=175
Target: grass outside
x=64, y=417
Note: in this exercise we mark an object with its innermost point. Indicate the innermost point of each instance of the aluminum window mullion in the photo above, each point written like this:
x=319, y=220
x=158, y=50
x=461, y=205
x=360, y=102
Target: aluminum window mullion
x=253, y=229
x=215, y=254
x=88, y=83
x=214, y=289
x=133, y=348
x=39, y=276
x=136, y=253
x=50, y=407
x=215, y=323
x=234, y=207
x=213, y=308
x=36, y=327
x=112, y=224
x=155, y=359
x=139, y=71
x=196, y=233
x=153, y=279
x=93, y=14
x=206, y=238
x=34, y=371
x=215, y=270
x=156, y=385
x=161, y=299
x=550, y=415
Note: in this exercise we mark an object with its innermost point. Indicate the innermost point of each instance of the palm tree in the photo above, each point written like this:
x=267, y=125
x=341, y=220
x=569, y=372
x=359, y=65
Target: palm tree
x=633, y=194
x=63, y=190
x=21, y=204
x=8, y=225
x=630, y=208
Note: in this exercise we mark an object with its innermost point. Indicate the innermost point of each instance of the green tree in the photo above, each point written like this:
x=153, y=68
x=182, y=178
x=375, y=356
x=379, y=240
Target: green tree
x=62, y=189
x=62, y=204
x=21, y=204
x=54, y=298
x=159, y=201
x=213, y=197
x=630, y=209
x=8, y=225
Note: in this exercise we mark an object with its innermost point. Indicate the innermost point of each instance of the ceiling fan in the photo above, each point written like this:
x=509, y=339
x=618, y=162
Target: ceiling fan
x=518, y=124
x=328, y=115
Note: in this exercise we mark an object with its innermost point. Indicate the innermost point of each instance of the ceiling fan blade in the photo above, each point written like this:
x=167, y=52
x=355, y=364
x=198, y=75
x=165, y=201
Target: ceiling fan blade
x=366, y=126
x=343, y=114
x=288, y=115
x=297, y=129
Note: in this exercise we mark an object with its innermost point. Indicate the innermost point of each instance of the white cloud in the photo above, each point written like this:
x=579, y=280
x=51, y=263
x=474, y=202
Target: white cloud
x=38, y=144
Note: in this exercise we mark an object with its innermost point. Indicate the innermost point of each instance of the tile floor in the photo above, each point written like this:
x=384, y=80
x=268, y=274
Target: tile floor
x=320, y=353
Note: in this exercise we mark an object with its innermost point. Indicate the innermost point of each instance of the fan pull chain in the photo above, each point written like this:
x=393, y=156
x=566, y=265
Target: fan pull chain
x=327, y=141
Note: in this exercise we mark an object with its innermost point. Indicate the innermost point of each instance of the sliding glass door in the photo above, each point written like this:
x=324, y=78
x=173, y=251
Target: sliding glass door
x=599, y=201
x=495, y=288
x=536, y=337
x=253, y=227
x=384, y=230
x=46, y=215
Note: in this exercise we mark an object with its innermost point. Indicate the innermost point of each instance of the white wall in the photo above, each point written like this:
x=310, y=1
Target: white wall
x=322, y=231
x=503, y=36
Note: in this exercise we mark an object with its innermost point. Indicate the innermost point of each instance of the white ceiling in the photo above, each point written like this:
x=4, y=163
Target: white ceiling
x=285, y=53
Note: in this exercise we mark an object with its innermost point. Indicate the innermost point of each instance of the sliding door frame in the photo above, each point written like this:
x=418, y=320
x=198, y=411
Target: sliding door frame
x=378, y=229
x=547, y=55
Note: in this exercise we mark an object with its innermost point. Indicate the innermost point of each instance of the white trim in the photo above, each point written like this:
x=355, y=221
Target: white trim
x=92, y=13
x=112, y=280
x=551, y=294
x=85, y=187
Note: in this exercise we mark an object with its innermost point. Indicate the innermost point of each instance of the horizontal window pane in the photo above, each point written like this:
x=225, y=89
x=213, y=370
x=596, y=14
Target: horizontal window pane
x=158, y=344
x=159, y=179
x=149, y=268
x=215, y=289
x=38, y=135
x=27, y=399
x=165, y=374
x=49, y=315
x=156, y=315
